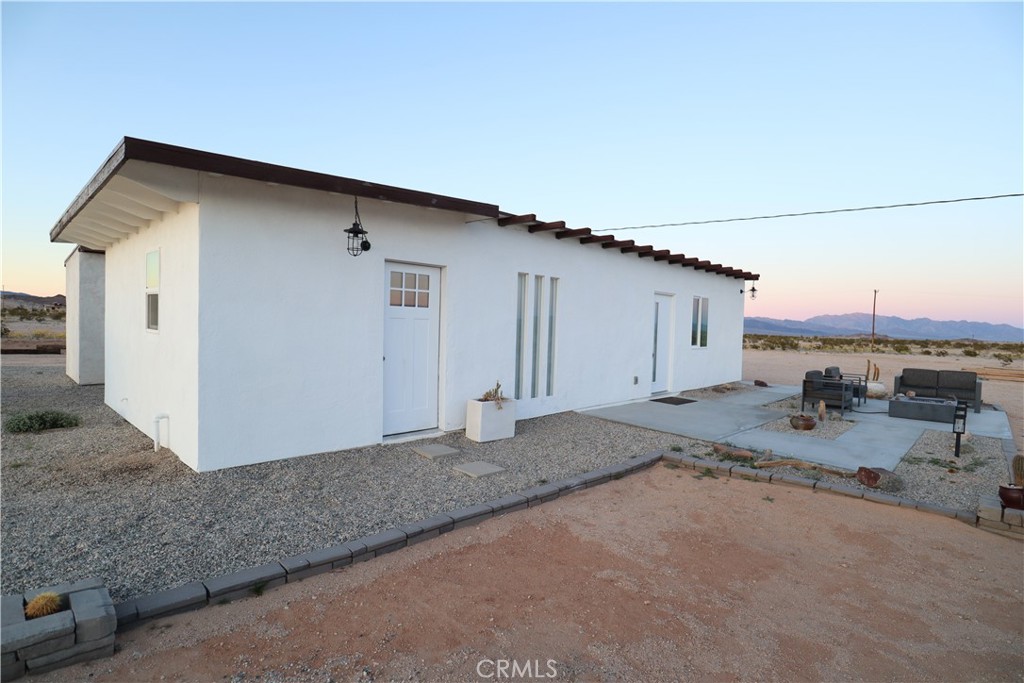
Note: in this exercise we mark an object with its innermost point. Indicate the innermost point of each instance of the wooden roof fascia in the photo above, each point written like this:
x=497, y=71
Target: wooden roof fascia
x=599, y=239
x=655, y=254
x=579, y=232
x=617, y=243
x=515, y=220
x=637, y=248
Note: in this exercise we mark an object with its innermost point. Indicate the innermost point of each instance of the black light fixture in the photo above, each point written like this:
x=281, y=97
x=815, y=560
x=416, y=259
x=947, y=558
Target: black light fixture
x=357, y=242
x=753, y=292
x=959, y=423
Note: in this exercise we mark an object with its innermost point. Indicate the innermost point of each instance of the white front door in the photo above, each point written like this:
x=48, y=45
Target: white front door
x=662, y=352
x=411, y=323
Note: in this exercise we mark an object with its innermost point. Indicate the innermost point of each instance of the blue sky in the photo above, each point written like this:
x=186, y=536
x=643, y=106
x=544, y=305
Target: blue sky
x=602, y=115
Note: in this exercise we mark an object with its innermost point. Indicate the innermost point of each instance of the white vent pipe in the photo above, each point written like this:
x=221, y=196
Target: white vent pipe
x=156, y=429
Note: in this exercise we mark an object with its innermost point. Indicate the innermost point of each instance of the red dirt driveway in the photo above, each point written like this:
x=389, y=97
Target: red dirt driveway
x=658, y=576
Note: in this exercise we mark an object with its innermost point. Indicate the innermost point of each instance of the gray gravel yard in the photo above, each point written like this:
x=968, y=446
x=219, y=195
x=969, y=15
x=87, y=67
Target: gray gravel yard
x=95, y=500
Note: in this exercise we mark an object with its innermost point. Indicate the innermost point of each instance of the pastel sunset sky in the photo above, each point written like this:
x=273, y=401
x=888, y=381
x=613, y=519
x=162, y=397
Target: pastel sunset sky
x=602, y=115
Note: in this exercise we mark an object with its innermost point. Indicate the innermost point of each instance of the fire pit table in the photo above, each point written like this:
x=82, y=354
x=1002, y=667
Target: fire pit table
x=922, y=408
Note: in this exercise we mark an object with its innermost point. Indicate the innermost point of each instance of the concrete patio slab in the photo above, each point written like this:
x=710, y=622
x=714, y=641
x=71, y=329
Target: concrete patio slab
x=709, y=420
x=876, y=440
x=478, y=469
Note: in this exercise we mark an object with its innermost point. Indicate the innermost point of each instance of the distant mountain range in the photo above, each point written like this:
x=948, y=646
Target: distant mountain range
x=31, y=300
x=854, y=324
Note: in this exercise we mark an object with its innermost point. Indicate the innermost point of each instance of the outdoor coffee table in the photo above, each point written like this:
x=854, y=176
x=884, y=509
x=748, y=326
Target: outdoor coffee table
x=922, y=408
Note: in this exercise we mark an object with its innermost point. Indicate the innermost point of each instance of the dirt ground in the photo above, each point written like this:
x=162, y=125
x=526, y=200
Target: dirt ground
x=658, y=576
x=788, y=367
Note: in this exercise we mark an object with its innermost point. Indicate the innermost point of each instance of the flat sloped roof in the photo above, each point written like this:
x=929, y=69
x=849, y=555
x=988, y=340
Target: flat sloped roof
x=108, y=222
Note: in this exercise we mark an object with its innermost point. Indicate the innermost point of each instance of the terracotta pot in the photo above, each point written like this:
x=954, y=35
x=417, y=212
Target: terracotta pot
x=802, y=422
x=1012, y=496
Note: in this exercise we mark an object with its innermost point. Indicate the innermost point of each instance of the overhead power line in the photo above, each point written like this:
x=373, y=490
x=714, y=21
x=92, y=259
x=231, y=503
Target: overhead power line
x=812, y=213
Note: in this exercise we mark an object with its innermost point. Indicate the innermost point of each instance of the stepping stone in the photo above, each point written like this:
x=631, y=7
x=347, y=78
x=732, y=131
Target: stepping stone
x=434, y=451
x=478, y=469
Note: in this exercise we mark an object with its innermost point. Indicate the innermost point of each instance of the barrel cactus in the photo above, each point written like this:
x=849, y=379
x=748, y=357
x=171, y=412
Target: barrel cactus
x=42, y=604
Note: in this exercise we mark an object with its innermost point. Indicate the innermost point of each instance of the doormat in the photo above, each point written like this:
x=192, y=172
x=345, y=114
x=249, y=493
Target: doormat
x=674, y=400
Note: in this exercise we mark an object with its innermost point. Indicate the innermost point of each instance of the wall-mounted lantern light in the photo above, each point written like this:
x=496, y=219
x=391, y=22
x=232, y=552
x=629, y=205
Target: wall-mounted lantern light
x=357, y=242
x=959, y=423
x=753, y=292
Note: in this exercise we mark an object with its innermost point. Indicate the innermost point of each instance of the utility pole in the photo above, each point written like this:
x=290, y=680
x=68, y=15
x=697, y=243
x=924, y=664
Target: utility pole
x=874, y=307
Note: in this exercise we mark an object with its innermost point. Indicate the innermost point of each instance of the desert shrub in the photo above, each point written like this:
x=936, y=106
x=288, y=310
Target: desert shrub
x=1004, y=358
x=4, y=330
x=942, y=352
x=40, y=421
x=901, y=348
x=926, y=352
x=970, y=353
x=39, y=334
x=57, y=314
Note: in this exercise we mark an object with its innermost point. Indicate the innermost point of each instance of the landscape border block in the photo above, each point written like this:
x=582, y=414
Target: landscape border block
x=244, y=582
x=884, y=498
x=172, y=601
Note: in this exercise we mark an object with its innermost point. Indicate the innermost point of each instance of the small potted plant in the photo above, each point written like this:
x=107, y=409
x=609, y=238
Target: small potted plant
x=491, y=417
x=1012, y=495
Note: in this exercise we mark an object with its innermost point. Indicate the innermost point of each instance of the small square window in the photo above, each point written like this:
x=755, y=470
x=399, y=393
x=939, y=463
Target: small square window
x=423, y=299
x=424, y=282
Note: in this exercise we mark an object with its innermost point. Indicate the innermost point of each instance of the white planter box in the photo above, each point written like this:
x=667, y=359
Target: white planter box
x=484, y=422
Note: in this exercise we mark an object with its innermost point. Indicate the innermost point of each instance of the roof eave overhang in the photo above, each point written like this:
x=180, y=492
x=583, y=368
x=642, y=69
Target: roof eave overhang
x=197, y=160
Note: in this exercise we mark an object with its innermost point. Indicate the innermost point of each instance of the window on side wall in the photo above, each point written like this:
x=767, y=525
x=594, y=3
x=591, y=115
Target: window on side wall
x=153, y=290
x=699, y=326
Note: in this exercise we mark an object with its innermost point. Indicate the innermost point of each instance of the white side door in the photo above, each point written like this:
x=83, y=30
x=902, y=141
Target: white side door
x=411, y=327
x=661, y=354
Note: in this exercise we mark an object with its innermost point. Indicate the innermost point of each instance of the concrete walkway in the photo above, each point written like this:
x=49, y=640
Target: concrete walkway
x=876, y=440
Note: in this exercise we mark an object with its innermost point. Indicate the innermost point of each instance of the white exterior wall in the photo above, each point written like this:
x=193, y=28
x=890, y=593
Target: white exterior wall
x=148, y=372
x=291, y=326
x=84, y=279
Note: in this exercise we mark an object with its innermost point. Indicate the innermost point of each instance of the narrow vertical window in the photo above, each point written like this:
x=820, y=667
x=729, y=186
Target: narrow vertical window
x=654, y=355
x=552, y=306
x=695, y=326
x=538, y=298
x=520, y=333
x=699, y=328
x=704, y=322
x=153, y=290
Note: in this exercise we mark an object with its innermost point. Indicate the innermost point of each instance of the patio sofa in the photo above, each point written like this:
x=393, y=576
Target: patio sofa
x=836, y=393
x=959, y=384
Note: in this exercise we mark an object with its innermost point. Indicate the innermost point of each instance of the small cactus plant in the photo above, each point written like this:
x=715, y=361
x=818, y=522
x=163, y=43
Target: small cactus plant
x=1018, y=470
x=494, y=395
x=41, y=605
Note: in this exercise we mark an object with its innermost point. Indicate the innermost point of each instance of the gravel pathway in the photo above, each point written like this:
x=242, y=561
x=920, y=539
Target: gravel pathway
x=96, y=501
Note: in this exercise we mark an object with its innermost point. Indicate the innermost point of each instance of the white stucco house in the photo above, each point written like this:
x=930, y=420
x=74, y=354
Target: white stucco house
x=217, y=301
